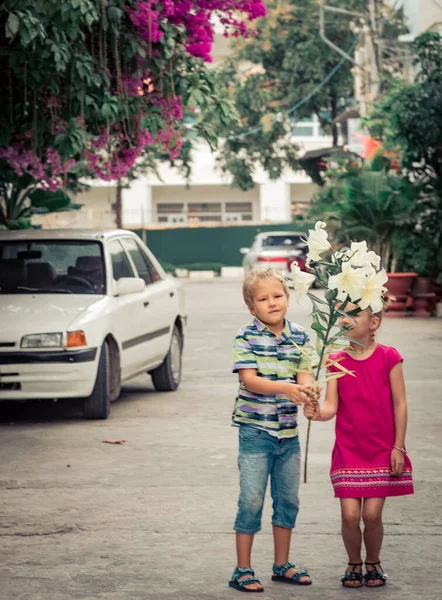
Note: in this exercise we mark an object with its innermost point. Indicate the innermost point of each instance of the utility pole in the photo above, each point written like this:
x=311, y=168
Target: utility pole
x=368, y=59
x=373, y=46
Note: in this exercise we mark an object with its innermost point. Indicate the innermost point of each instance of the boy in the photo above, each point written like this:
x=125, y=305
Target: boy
x=274, y=377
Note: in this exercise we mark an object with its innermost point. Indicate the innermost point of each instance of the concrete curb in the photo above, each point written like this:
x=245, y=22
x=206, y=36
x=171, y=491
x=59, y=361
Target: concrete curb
x=202, y=275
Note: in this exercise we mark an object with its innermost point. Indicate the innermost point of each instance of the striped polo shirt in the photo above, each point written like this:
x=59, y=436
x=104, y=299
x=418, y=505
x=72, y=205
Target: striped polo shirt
x=257, y=347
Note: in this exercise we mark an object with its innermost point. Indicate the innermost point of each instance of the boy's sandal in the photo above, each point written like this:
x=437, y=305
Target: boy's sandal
x=353, y=575
x=375, y=574
x=279, y=575
x=240, y=585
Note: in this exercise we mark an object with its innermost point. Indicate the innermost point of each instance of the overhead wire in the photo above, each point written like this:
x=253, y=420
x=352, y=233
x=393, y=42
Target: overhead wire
x=301, y=102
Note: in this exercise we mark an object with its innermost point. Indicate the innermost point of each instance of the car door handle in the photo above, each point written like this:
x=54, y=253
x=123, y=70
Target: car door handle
x=146, y=304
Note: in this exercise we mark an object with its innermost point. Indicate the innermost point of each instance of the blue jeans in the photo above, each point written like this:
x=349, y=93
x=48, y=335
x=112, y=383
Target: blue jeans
x=261, y=455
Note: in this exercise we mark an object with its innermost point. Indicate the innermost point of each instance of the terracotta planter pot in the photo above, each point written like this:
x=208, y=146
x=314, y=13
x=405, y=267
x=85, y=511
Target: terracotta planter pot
x=424, y=297
x=399, y=287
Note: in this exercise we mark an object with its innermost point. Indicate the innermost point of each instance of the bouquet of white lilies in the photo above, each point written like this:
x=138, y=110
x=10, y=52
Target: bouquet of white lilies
x=349, y=275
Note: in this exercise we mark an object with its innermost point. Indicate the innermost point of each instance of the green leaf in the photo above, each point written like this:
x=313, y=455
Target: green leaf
x=106, y=111
x=114, y=14
x=316, y=299
x=322, y=316
x=318, y=345
x=354, y=341
x=51, y=201
x=319, y=330
x=12, y=26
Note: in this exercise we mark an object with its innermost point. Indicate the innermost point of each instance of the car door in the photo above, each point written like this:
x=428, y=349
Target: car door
x=159, y=298
x=128, y=315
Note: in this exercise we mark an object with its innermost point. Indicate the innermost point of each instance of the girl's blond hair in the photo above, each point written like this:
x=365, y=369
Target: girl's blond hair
x=256, y=275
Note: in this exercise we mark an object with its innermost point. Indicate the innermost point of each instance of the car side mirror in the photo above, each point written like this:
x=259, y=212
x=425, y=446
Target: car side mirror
x=244, y=250
x=129, y=285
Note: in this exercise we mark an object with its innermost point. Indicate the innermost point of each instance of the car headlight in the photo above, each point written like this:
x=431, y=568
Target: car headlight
x=42, y=340
x=71, y=339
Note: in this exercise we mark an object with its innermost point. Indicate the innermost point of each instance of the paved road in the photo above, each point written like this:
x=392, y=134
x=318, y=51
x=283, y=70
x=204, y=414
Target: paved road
x=152, y=519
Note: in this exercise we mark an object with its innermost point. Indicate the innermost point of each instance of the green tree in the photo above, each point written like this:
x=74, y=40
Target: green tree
x=409, y=121
x=98, y=87
x=368, y=201
x=283, y=66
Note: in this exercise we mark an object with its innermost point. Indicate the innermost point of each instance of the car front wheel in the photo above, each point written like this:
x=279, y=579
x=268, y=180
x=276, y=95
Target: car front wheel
x=97, y=405
x=167, y=377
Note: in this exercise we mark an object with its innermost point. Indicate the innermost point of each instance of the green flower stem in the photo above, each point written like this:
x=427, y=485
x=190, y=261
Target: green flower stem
x=331, y=323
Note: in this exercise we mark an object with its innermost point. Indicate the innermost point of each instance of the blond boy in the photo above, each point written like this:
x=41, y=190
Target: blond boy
x=275, y=377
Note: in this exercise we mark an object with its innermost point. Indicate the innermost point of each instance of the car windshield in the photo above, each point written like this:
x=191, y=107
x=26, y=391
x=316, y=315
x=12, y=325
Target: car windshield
x=51, y=267
x=282, y=240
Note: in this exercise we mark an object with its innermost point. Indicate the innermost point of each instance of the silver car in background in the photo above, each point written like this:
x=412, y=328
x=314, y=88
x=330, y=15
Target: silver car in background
x=277, y=250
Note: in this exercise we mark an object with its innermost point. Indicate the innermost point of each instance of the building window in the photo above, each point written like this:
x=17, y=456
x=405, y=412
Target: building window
x=204, y=207
x=170, y=207
x=308, y=127
x=303, y=131
x=204, y=212
x=237, y=207
x=236, y=212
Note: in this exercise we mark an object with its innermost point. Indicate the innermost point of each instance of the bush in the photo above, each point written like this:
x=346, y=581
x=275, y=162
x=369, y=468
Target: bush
x=202, y=266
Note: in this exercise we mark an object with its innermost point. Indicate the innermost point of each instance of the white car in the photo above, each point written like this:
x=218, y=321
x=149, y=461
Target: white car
x=275, y=250
x=81, y=312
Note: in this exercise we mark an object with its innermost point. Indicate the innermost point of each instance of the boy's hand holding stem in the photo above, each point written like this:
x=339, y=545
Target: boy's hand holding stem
x=299, y=393
x=302, y=393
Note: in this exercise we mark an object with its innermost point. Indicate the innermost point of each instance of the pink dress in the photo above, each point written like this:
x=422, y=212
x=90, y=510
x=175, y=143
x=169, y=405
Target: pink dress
x=365, y=434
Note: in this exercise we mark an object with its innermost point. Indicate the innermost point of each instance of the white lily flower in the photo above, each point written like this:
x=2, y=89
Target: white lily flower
x=374, y=259
x=351, y=281
x=358, y=255
x=317, y=242
x=372, y=293
x=301, y=280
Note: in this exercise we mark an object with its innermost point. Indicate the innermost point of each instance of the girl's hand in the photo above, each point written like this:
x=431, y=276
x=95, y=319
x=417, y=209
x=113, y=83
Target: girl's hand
x=312, y=410
x=299, y=394
x=397, y=462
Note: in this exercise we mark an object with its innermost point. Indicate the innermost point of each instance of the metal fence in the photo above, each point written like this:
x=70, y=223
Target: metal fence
x=188, y=245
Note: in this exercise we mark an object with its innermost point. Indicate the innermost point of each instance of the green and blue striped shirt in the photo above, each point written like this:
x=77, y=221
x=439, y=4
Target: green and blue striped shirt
x=257, y=347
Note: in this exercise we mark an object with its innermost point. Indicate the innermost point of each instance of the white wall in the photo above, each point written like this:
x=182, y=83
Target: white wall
x=97, y=211
x=423, y=15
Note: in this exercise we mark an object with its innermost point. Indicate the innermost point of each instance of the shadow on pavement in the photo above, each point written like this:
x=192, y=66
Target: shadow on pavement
x=40, y=410
x=64, y=409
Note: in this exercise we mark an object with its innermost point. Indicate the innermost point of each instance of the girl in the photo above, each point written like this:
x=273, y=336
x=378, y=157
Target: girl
x=369, y=460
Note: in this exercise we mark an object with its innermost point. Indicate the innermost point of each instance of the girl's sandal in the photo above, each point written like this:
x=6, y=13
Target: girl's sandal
x=375, y=574
x=353, y=575
x=240, y=585
x=279, y=575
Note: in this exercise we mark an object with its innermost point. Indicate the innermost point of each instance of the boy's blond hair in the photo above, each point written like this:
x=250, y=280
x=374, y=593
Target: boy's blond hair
x=256, y=275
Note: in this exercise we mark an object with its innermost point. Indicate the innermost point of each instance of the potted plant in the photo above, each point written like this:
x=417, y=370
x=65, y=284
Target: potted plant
x=407, y=120
x=418, y=252
x=370, y=201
